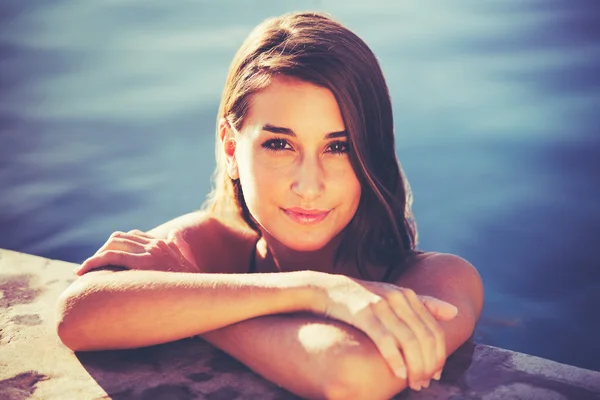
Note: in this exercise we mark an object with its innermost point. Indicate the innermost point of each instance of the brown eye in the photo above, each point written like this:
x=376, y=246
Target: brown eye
x=338, y=147
x=276, y=145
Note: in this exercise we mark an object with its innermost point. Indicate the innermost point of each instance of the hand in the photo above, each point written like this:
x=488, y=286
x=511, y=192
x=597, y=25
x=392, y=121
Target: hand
x=401, y=324
x=138, y=250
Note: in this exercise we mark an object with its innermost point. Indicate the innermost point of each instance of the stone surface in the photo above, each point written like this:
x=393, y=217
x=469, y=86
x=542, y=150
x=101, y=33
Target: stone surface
x=35, y=365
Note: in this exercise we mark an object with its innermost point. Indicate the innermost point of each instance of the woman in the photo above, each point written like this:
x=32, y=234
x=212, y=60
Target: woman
x=309, y=194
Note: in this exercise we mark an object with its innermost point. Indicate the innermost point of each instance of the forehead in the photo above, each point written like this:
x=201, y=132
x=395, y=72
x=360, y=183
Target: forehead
x=296, y=104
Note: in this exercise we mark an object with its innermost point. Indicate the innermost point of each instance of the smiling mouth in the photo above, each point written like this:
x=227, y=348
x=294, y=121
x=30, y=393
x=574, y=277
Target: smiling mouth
x=306, y=217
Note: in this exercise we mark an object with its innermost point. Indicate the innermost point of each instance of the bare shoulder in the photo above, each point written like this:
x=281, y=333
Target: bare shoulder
x=215, y=244
x=447, y=277
x=439, y=261
x=433, y=268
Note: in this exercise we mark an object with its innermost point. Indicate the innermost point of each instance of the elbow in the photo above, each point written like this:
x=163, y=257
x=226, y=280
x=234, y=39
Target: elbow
x=66, y=328
x=67, y=336
x=363, y=375
x=70, y=322
x=342, y=390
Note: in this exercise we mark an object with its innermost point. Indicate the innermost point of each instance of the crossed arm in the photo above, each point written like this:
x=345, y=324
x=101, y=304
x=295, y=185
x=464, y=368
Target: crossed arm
x=312, y=356
x=296, y=351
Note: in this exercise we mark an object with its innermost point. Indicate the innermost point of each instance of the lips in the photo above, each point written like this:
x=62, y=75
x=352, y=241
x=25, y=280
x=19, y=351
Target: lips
x=306, y=216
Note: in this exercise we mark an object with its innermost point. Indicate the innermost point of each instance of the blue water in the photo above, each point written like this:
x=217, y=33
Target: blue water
x=107, y=116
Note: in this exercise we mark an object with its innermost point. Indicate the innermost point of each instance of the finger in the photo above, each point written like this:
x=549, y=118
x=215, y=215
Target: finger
x=121, y=245
x=176, y=241
x=171, y=252
x=424, y=347
x=113, y=244
x=110, y=257
x=96, y=261
x=440, y=309
x=140, y=234
x=385, y=342
x=437, y=331
x=188, y=265
x=436, y=335
x=407, y=340
x=410, y=348
x=120, y=241
x=137, y=232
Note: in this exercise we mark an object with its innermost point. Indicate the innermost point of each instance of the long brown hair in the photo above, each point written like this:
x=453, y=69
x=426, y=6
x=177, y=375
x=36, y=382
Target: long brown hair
x=315, y=48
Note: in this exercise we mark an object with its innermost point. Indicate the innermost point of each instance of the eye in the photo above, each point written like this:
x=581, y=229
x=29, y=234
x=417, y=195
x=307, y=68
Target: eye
x=338, y=147
x=277, y=145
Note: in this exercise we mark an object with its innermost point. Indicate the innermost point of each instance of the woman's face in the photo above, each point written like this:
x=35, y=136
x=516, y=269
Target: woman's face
x=293, y=164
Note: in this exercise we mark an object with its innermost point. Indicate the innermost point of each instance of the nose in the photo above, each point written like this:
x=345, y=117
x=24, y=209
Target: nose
x=309, y=180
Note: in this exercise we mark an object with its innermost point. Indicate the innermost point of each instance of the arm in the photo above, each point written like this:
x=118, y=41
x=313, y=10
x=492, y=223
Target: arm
x=170, y=305
x=309, y=346
x=452, y=279
x=345, y=299
x=300, y=352
x=207, y=241
x=446, y=277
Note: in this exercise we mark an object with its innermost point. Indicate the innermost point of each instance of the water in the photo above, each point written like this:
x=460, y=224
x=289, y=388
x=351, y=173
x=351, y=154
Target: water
x=107, y=123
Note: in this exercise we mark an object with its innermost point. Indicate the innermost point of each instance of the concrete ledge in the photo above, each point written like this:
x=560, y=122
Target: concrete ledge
x=35, y=365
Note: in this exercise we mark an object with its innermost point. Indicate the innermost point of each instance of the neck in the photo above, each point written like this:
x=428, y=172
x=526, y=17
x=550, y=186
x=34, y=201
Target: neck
x=284, y=259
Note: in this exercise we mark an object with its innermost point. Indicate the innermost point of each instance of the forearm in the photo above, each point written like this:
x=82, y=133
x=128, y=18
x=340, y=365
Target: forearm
x=140, y=308
x=455, y=281
x=308, y=355
x=315, y=357
x=359, y=370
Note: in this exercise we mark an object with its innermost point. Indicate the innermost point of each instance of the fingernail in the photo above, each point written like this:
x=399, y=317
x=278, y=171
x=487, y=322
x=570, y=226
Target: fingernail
x=401, y=372
x=415, y=386
x=437, y=375
x=425, y=384
x=76, y=269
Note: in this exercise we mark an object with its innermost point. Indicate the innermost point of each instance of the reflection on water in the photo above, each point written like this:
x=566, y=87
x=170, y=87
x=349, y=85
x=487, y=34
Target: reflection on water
x=107, y=120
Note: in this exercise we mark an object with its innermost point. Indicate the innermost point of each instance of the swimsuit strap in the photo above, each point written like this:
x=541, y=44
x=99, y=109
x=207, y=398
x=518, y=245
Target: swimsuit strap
x=388, y=274
x=253, y=259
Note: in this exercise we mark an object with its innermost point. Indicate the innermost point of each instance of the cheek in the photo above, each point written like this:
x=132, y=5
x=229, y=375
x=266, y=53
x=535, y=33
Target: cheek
x=346, y=183
x=259, y=180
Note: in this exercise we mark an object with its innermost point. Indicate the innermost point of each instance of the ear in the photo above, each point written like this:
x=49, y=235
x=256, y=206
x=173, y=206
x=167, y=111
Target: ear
x=228, y=145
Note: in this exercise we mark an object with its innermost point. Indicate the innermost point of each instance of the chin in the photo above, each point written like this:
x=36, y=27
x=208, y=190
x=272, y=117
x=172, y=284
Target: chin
x=305, y=244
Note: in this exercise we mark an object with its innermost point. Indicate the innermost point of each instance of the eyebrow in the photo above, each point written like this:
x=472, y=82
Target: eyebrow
x=287, y=131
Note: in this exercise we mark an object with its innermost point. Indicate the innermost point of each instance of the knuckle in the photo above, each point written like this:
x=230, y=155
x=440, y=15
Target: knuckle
x=395, y=297
x=110, y=255
x=135, y=232
x=429, y=339
x=379, y=303
x=153, y=250
x=166, y=247
x=381, y=307
x=172, y=246
x=410, y=341
x=117, y=234
x=384, y=338
x=409, y=293
x=161, y=243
